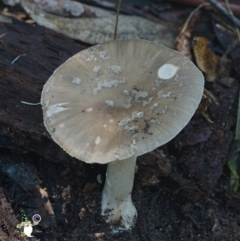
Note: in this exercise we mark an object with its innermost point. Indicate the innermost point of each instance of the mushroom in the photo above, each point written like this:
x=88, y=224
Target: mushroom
x=115, y=101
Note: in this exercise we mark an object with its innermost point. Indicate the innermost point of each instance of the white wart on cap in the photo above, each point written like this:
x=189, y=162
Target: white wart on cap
x=119, y=99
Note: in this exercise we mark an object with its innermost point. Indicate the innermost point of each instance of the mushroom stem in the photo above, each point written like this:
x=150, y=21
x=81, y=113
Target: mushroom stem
x=116, y=197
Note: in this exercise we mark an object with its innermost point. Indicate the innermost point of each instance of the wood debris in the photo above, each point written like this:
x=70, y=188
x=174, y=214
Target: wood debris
x=8, y=220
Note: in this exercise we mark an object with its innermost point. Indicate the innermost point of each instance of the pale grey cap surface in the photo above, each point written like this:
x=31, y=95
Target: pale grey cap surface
x=120, y=98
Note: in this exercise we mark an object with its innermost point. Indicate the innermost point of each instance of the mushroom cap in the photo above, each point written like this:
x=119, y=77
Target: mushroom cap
x=119, y=99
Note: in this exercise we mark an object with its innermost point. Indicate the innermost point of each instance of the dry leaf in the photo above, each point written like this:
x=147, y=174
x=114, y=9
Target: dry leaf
x=206, y=60
x=66, y=8
x=207, y=99
x=183, y=40
x=182, y=44
x=228, y=38
x=94, y=30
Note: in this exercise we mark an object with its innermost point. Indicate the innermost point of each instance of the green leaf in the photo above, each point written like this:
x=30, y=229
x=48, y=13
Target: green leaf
x=235, y=188
x=234, y=177
x=233, y=169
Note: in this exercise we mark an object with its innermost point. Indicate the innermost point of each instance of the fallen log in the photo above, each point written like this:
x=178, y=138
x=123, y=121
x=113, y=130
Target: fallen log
x=37, y=52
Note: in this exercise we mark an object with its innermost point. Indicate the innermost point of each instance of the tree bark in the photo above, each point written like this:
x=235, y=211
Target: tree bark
x=42, y=50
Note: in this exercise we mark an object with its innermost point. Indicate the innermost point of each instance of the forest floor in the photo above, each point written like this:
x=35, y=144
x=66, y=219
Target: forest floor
x=181, y=190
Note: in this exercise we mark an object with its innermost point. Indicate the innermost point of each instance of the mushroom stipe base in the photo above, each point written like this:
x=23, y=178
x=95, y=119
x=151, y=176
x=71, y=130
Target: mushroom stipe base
x=117, y=203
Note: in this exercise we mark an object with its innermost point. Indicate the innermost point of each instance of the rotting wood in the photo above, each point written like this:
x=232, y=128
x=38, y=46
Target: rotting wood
x=8, y=220
x=21, y=125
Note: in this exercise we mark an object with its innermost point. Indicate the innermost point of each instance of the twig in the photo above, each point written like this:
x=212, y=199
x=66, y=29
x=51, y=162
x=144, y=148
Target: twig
x=28, y=103
x=2, y=35
x=17, y=58
x=230, y=11
x=191, y=15
x=1, y=41
x=224, y=11
x=116, y=23
x=235, y=7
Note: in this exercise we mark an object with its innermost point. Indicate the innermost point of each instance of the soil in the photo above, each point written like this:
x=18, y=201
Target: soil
x=181, y=190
